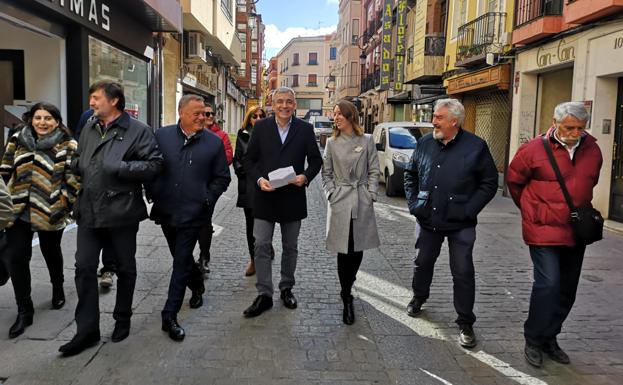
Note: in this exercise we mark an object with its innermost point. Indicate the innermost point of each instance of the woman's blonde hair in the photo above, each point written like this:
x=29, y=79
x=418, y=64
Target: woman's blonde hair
x=349, y=111
x=250, y=112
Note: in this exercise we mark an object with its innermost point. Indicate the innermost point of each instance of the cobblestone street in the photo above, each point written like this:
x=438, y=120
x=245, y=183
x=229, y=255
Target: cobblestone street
x=311, y=345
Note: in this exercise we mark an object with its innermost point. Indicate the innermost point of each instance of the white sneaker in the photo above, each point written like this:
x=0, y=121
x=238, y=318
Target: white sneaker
x=106, y=280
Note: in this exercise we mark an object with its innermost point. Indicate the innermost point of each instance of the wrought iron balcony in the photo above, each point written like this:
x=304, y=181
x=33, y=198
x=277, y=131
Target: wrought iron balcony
x=371, y=81
x=365, y=38
x=529, y=10
x=479, y=37
x=434, y=45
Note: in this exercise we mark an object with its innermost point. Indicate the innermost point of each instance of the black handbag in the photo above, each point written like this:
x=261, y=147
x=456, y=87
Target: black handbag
x=587, y=222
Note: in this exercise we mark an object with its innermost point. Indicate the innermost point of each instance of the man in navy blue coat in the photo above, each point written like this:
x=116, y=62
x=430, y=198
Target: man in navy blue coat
x=195, y=175
x=450, y=179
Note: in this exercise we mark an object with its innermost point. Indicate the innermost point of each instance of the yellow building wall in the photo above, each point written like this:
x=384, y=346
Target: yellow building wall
x=171, y=68
x=474, y=9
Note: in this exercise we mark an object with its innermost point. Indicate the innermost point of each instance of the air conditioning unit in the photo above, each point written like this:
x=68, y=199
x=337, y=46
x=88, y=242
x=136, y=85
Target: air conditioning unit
x=196, y=46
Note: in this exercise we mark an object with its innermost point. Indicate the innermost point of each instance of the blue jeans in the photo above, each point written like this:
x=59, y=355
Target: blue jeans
x=556, y=276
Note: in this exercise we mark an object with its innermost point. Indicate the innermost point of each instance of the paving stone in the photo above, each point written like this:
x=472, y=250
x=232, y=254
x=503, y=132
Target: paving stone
x=311, y=345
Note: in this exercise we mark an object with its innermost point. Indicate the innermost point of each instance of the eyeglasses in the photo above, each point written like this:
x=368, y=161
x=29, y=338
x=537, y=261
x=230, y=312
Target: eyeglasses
x=258, y=116
x=209, y=113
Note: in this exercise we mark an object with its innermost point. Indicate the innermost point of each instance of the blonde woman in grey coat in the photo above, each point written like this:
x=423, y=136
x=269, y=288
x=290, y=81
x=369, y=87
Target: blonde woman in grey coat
x=350, y=178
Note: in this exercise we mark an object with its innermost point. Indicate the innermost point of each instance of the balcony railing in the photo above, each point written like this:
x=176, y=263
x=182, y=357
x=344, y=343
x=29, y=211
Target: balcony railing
x=476, y=37
x=434, y=45
x=529, y=10
x=371, y=81
x=365, y=38
x=375, y=24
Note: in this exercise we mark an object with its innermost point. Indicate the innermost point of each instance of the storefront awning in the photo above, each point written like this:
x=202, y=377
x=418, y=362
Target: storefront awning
x=161, y=15
x=428, y=99
x=401, y=98
x=497, y=77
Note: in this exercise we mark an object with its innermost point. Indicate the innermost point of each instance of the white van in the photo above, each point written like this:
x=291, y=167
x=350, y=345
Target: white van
x=395, y=142
x=322, y=125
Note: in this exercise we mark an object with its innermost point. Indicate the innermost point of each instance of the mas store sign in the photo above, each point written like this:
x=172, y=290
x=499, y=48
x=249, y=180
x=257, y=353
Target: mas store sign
x=94, y=12
x=113, y=19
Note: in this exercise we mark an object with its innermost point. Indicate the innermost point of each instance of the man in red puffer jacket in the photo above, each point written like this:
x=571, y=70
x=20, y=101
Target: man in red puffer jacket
x=205, y=235
x=557, y=258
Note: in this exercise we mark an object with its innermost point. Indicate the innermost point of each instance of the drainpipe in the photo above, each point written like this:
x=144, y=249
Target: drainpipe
x=511, y=93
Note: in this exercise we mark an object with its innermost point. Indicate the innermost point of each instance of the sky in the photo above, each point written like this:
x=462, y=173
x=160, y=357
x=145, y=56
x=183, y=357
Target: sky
x=286, y=19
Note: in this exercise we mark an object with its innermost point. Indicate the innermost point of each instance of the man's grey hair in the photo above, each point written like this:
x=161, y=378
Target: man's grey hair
x=189, y=98
x=455, y=108
x=575, y=109
x=284, y=90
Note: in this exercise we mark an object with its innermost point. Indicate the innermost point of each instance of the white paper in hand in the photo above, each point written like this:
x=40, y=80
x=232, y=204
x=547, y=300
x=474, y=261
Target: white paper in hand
x=281, y=176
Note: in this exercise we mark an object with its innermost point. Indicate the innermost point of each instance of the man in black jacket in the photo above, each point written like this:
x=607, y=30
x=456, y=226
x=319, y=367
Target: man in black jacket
x=195, y=175
x=116, y=155
x=450, y=179
x=277, y=142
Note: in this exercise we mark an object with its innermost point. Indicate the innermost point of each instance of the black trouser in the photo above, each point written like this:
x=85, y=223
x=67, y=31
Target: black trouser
x=108, y=260
x=19, y=247
x=556, y=275
x=348, y=264
x=181, y=241
x=248, y=219
x=205, y=241
x=91, y=241
x=460, y=244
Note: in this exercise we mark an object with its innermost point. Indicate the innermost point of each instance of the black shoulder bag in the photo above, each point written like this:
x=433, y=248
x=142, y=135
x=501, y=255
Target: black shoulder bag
x=587, y=222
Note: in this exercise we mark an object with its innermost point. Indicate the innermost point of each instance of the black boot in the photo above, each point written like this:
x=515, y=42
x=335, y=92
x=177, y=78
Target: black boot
x=58, y=296
x=348, y=315
x=25, y=311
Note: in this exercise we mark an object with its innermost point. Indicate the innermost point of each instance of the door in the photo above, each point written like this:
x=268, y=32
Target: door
x=6, y=96
x=12, y=87
x=616, y=189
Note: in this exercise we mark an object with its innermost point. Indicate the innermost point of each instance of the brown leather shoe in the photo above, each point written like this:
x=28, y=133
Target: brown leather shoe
x=250, y=269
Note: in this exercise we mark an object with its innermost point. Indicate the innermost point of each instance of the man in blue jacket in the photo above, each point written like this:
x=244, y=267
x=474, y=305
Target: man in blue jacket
x=450, y=179
x=195, y=175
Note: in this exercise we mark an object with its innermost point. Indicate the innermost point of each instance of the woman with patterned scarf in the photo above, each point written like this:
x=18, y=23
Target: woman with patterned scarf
x=36, y=169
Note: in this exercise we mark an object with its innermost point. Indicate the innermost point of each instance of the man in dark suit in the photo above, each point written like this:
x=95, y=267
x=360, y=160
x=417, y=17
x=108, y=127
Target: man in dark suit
x=279, y=141
x=195, y=175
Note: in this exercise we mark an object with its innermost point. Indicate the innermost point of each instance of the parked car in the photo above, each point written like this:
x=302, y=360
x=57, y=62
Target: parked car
x=322, y=125
x=395, y=142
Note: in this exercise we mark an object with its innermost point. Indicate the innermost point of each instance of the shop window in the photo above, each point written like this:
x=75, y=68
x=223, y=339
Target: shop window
x=109, y=63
